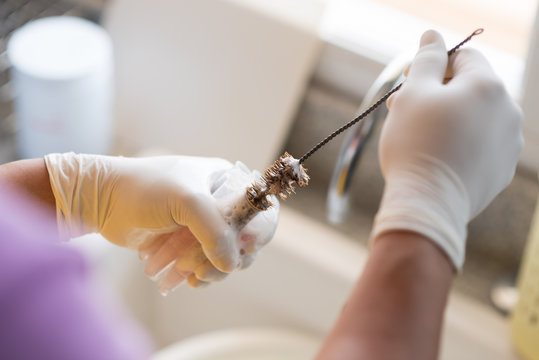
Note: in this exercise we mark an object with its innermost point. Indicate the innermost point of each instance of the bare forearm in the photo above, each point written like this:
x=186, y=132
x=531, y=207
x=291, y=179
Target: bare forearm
x=396, y=309
x=31, y=177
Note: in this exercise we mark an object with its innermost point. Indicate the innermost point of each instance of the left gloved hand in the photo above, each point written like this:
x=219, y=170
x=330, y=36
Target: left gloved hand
x=158, y=204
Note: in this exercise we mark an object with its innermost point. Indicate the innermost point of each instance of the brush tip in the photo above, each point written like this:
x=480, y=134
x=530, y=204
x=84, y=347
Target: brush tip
x=277, y=180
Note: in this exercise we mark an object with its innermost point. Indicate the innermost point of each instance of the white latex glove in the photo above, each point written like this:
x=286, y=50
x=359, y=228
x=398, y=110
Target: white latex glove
x=447, y=148
x=177, y=256
x=157, y=204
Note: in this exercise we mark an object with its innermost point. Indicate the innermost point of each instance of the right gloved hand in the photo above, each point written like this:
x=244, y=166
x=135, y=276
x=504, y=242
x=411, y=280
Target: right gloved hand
x=447, y=148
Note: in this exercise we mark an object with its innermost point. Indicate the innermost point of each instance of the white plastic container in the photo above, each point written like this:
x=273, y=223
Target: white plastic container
x=62, y=71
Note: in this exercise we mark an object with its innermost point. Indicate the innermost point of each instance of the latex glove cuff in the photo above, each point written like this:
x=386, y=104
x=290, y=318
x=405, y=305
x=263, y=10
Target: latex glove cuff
x=428, y=199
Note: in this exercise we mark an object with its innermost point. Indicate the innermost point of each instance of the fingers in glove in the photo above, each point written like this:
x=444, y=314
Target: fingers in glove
x=150, y=247
x=207, y=272
x=172, y=247
x=182, y=269
x=193, y=282
x=163, y=270
x=430, y=62
x=216, y=237
x=469, y=63
x=191, y=259
x=171, y=281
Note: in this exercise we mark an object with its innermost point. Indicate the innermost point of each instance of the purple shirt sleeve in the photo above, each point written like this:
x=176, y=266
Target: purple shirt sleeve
x=47, y=307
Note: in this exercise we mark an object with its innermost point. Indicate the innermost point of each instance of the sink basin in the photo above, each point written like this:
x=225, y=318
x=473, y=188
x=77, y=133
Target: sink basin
x=249, y=343
x=298, y=284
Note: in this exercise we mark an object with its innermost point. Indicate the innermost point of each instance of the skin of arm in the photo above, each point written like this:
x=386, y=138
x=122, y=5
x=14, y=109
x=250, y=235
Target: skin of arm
x=396, y=308
x=31, y=177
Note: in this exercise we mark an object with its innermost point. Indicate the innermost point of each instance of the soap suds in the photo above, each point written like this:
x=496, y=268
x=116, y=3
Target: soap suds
x=277, y=180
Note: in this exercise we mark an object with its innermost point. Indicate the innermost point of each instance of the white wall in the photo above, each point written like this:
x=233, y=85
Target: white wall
x=210, y=77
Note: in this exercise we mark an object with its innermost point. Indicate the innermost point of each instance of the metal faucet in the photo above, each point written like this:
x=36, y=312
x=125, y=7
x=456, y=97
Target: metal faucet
x=353, y=145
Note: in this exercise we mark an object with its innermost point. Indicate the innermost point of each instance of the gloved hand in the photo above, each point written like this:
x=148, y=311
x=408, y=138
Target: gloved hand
x=448, y=147
x=170, y=208
x=180, y=256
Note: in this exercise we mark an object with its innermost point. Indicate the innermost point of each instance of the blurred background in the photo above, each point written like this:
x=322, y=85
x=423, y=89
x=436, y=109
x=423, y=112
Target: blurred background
x=249, y=79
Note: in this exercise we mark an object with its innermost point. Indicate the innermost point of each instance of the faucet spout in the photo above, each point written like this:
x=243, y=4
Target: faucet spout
x=338, y=202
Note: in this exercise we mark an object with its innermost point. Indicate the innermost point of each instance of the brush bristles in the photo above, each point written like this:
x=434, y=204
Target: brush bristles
x=277, y=180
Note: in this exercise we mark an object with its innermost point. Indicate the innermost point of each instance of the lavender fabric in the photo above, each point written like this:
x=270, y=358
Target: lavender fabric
x=47, y=307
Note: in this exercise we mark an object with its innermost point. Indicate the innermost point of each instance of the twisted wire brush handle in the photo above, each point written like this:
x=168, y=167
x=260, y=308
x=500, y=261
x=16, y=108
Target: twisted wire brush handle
x=375, y=105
